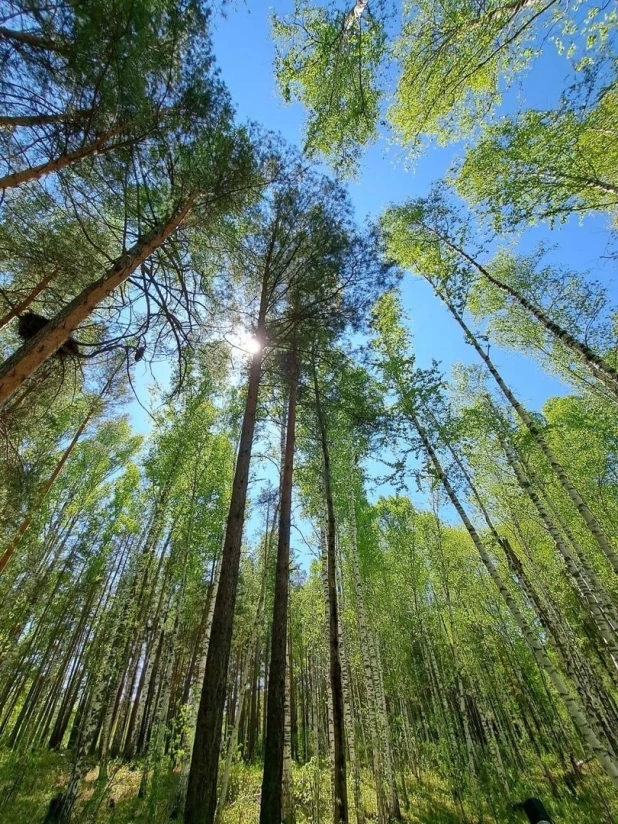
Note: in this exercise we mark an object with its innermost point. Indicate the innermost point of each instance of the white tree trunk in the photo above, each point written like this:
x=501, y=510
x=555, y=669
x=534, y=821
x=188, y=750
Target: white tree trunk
x=580, y=722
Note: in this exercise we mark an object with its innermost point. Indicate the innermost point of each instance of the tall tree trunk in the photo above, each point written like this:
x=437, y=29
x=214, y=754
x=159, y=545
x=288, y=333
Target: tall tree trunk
x=330, y=729
x=368, y=661
x=252, y=652
x=201, y=800
x=185, y=767
x=389, y=764
x=591, y=592
x=287, y=790
x=33, y=40
x=459, y=670
x=348, y=710
x=340, y=781
x=270, y=805
x=30, y=121
x=100, y=145
x=32, y=354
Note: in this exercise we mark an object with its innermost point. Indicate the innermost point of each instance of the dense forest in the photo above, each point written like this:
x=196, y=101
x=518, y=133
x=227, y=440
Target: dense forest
x=260, y=560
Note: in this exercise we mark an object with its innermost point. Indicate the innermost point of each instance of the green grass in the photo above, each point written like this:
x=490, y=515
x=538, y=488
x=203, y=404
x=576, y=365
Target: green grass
x=29, y=781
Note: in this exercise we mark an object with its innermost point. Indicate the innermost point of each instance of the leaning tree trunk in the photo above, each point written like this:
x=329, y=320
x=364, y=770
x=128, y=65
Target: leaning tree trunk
x=32, y=354
x=578, y=502
x=201, y=802
x=580, y=722
x=588, y=586
x=340, y=781
x=270, y=805
x=591, y=592
x=100, y=145
x=10, y=122
x=597, y=365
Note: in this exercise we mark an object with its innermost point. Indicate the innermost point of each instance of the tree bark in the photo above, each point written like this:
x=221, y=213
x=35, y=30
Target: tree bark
x=270, y=805
x=32, y=354
x=25, y=303
x=288, y=813
x=201, y=800
x=252, y=653
x=369, y=662
x=35, y=41
x=203, y=646
x=348, y=710
x=63, y=161
x=29, y=121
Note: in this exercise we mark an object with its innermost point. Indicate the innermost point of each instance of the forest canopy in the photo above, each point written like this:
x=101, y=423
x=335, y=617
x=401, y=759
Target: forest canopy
x=308, y=412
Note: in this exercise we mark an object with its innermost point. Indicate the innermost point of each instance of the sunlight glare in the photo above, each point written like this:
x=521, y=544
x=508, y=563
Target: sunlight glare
x=246, y=341
x=253, y=345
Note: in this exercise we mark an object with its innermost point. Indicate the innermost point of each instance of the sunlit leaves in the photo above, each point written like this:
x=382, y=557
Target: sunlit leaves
x=332, y=69
x=546, y=165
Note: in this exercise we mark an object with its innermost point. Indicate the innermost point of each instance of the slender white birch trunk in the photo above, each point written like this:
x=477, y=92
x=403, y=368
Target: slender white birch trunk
x=580, y=722
x=368, y=663
x=591, y=590
x=329, y=692
x=576, y=499
x=287, y=788
x=348, y=710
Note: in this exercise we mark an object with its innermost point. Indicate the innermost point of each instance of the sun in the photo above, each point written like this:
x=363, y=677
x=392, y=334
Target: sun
x=245, y=340
x=253, y=345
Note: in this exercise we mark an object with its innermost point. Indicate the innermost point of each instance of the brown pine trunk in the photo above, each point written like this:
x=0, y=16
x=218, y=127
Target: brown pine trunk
x=63, y=161
x=8, y=122
x=35, y=41
x=32, y=354
x=201, y=800
x=270, y=807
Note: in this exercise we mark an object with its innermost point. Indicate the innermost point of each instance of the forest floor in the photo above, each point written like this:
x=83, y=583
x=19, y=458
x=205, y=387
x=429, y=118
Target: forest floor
x=29, y=782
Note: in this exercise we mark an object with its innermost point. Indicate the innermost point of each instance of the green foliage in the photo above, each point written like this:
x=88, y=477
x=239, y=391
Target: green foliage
x=545, y=165
x=330, y=64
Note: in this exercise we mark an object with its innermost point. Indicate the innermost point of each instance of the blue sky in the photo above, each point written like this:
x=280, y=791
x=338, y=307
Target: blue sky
x=245, y=52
